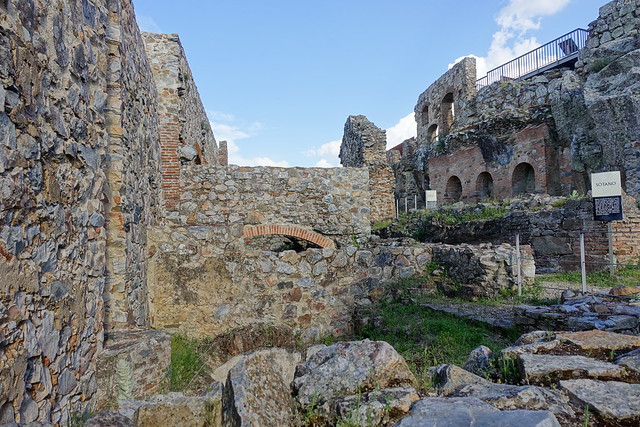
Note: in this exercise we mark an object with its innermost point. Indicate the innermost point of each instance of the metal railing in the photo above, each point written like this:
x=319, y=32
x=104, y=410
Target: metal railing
x=559, y=51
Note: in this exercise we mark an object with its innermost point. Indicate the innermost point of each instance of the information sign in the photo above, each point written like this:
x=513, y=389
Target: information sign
x=606, y=190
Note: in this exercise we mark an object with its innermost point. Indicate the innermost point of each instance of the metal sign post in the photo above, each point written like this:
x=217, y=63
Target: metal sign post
x=606, y=190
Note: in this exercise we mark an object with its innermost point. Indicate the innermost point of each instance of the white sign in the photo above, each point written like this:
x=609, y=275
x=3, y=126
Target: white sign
x=431, y=195
x=606, y=184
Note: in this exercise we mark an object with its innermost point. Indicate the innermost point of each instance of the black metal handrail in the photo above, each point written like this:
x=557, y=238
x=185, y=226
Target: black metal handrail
x=556, y=52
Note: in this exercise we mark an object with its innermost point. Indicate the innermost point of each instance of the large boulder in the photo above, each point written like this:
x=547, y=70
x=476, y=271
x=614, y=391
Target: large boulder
x=256, y=394
x=349, y=368
x=437, y=411
x=453, y=381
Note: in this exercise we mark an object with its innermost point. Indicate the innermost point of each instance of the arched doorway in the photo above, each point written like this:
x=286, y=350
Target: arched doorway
x=453, y=191
x=484, y=186
x=523, y=180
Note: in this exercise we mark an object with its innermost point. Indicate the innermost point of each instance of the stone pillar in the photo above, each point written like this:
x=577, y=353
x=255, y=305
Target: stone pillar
x=364, y=145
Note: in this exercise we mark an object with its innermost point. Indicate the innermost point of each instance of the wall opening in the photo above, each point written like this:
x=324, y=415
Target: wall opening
x=484, y=185
x=432, y=133
x=287, y=230
x=424, y=115
x=453, y=191
x=523, y=180
x=448, y=113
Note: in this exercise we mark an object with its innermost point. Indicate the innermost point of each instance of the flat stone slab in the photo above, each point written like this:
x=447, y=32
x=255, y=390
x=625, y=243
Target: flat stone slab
x=611, y=400
x=597, y=340
x=545, y=369
x=439, y=411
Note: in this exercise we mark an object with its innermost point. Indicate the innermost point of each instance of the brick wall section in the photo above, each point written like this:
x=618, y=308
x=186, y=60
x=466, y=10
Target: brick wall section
x=531, y=145
x=185, y=131
x=626, y=237
x=286, y=230
x=364, y=146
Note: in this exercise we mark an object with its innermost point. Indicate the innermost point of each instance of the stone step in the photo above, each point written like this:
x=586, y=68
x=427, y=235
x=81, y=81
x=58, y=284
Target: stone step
x=545, y=369
x=616, y=403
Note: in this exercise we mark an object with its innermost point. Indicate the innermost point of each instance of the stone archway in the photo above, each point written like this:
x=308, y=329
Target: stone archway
x=287, y=230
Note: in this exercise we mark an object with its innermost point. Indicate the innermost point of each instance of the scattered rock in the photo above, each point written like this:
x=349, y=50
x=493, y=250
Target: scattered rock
x=347, y=368
x=622, y=290
x=176, y=409
x=378, y=407
x=467, y=411
x=615, y=402
x=108, y=419
x=255, y=394
x=544, y=369
x=479, y=361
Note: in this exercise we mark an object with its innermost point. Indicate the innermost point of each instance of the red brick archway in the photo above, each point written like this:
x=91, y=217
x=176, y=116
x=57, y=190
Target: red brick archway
x=287, y=230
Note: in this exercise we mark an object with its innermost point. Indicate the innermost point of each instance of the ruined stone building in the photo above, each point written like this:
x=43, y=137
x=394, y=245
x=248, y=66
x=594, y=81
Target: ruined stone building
x=120, y=218
x=540, y=133
x=119, y=214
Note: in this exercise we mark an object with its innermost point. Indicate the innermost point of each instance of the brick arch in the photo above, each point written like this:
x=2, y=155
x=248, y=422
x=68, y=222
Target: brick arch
x=287, y=230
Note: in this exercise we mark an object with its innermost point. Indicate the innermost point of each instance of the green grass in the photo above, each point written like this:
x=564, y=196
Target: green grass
x=187, y=364
x=628, y=276
x=426, y=337
x=381, y=224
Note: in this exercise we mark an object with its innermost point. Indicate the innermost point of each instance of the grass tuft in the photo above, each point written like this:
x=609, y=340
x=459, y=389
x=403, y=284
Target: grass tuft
x=187, y=364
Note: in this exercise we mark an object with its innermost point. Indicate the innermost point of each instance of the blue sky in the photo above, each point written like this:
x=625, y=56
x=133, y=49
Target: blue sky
x=279, y=78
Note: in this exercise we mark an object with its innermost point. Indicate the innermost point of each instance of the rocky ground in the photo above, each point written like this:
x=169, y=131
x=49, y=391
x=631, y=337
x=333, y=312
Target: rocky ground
x=544, y=379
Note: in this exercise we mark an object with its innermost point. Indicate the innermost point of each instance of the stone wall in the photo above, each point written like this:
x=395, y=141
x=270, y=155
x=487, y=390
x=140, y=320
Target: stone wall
x=185, y=131
x=554, y=235
x=202, y=288
x=132, y=197
x=364, y=146
x=333, y=202
x=78, y=152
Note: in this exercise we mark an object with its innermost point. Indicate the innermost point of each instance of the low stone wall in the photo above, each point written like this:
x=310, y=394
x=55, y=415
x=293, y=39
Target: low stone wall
x=554, y=234
x=200, y=288
x=133, y=365
x=334, y=202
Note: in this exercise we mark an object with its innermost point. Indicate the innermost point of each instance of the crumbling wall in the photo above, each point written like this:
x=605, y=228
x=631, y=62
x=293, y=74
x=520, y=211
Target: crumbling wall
x=185, y=131
x=78, y=143
x=203, y=289
x=331, y=201
x=447, y=103
x=364, y=146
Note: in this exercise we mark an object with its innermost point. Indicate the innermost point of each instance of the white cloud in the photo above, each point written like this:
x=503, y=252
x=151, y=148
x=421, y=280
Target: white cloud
x=146, y=23
x=401, y=131
x=515, y=20
x=232, y=131
x=331, y=148
x=324, y=163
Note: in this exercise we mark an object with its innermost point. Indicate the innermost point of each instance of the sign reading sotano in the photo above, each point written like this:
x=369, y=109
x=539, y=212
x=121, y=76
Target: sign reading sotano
x=606, y=190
